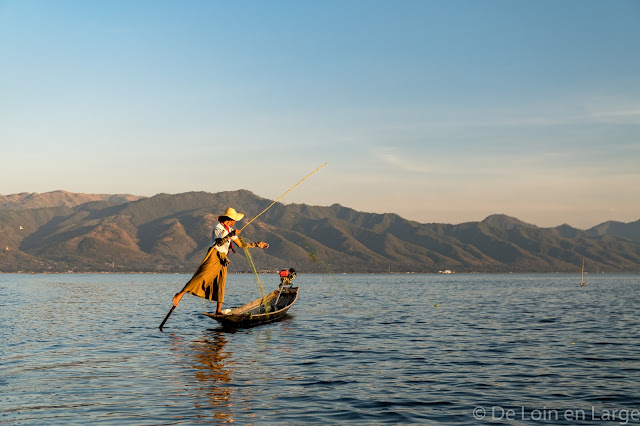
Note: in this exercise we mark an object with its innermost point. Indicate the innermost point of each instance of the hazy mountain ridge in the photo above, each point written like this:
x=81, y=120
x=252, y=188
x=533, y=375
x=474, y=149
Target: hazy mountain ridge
x=618, y=229
x=170, y=233
x=33, y=200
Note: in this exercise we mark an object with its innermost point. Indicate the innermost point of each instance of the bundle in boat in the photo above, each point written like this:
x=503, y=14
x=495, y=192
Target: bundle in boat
x=271, y=308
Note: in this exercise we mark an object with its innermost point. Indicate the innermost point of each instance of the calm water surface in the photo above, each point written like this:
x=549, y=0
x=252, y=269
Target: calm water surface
x=78, y=349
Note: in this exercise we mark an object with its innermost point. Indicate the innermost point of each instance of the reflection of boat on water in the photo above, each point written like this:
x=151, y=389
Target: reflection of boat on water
x=271, y=308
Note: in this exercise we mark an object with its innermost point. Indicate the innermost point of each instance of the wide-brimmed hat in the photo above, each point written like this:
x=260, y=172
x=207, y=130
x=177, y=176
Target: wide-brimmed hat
x=232, y=214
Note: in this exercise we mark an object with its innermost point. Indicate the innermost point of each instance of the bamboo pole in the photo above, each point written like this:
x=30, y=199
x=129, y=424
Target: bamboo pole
x=291, y=189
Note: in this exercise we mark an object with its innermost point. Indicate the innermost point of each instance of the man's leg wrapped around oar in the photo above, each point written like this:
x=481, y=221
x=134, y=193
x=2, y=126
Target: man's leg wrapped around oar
x=207, y=282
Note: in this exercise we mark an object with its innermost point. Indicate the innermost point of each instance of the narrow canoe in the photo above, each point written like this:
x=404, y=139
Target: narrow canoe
x=253, y=313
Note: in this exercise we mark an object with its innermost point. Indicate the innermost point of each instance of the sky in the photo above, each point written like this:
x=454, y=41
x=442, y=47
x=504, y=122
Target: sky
x=439, y=111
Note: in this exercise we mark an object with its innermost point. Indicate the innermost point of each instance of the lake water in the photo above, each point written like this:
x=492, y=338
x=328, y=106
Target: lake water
x=463, y=349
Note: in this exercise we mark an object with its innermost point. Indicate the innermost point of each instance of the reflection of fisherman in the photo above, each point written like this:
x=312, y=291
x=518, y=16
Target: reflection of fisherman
x=214, y=376
x=209, y=280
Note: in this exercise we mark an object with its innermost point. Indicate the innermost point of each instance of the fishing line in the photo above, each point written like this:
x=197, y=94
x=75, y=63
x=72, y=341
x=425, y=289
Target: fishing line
x=315, y=259
x=255, y=273
x=291, y=189
x=246, y=249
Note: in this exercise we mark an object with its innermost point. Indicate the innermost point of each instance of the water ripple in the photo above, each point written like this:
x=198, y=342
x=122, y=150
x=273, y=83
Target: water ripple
x=80, y=349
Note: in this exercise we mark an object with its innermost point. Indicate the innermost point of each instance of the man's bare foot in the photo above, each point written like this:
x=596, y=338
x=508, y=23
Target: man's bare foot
x=177, y=297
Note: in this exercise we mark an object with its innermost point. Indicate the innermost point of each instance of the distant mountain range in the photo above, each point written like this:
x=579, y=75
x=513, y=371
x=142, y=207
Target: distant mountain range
x=32, y=200
x=61, y=231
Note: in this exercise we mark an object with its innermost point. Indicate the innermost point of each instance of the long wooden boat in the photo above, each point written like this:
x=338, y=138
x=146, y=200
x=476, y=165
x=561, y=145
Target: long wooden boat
x=266, y=309
x=253, y=313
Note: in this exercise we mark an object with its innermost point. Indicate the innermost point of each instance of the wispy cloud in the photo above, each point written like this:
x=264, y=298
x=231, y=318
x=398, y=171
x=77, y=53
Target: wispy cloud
x=596, y=117
x=628, y=116
x=390, y=157
x=548, y=113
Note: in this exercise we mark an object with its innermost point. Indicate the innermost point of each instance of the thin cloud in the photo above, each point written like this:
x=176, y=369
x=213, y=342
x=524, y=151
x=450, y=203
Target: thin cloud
x=389, y=157
x=631, y=116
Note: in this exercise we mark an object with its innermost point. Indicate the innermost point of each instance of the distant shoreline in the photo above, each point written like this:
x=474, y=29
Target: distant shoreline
x=323, y=273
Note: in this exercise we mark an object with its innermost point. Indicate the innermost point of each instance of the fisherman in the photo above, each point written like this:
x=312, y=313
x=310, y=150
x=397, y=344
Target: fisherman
x=209, y=280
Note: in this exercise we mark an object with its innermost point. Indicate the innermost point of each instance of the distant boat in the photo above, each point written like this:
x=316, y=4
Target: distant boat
x=582, y=283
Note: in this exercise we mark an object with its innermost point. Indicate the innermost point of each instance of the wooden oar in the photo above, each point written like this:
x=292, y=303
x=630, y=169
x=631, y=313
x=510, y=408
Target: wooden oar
x=166, y=318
